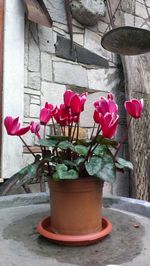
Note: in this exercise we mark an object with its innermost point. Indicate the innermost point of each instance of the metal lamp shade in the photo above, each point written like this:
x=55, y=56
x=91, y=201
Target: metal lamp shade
x=127, y=41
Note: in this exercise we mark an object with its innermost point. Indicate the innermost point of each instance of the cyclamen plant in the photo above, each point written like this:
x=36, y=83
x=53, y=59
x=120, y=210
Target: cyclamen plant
x=65, y=156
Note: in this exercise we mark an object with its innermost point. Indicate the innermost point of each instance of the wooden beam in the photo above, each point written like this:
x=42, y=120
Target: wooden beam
x=37, y=12
x=1, y=77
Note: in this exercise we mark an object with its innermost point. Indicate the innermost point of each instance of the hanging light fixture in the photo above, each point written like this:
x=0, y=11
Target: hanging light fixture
x=126, y=40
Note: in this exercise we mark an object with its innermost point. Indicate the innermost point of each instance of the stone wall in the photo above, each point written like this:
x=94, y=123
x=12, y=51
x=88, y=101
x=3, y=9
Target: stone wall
x=48, y=76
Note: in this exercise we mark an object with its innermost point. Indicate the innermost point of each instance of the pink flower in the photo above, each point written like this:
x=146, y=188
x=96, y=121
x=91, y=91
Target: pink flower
x=96, y=117
x=45, y=116
x=109, y=124
x=49, y=106
x=12, y=126
x=77, y=103
x=108, y=105
x=61, y=115
x=67, y=97
x=110, y=96
x=134, y=107
x=35, y=128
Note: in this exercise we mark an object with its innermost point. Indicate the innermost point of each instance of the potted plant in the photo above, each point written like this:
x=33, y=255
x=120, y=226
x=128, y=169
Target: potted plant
x=77, y=168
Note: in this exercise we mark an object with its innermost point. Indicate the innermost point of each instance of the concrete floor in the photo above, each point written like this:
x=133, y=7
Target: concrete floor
x=21, y=245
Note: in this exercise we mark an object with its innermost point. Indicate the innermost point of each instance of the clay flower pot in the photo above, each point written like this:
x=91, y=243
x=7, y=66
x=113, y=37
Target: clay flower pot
x=75, y=212
x=76, y=206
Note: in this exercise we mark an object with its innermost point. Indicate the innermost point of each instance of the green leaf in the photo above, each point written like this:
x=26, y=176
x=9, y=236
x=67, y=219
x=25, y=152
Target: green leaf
x=119, y=166
x=94, y=165
x=102, y=168
x=105, y=141
x=32, y=169
x=69, y=163
x=64, y=173
x=82, y=150
x=107, y=172
x=85, y=142
x=64, y=145
x=47, y=142
x=79, y=160
x=58, y=138
x=124, y=164
x=101, y=150
x=55, y=176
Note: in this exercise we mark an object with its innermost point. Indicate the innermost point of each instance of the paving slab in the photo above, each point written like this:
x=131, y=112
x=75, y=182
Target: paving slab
x=21, y=245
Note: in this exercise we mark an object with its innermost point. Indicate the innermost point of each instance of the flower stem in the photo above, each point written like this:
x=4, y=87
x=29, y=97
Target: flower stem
x=92, y=131
x=93, y=142
x=77, y=132
x=63, y=132
x=44, y=132
x=73, y=132
x=54, y=126
x=123, y=139
x=27, y=146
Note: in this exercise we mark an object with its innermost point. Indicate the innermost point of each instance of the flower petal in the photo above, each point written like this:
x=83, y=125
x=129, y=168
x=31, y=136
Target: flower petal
x=67, y=97
x=22, y=131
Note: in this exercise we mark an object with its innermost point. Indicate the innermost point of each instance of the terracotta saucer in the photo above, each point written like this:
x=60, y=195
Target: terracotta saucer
x=70, y=240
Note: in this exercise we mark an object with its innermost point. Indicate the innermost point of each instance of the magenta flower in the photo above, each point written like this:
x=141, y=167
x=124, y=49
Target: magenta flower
x=108, y=105
x=67, y=97
x=110, y=96
x=77, y=103
x=35, y=128
x=49, y=106
x=12, y=126
x=134, y=107
x=96, y=117
x=45, y=116
x=61, y=115
x=109, y=124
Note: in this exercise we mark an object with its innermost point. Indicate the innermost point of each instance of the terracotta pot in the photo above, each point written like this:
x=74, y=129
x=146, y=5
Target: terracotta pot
x=76, y=206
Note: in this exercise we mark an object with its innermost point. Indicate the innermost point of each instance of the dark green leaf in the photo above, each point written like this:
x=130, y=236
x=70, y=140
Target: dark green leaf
x=79, y=161
x=55, y=176
x=94, y=165
x=58, y=138
x=124, y=164
x=119, y=166
x=107, y=171
x=65, y=145
x=82, y=150
x=101, y=150
x=69, y=163
x=85, y=142
x=32, y=169
x=64, y=173
x=105, y=141
x=47, y=142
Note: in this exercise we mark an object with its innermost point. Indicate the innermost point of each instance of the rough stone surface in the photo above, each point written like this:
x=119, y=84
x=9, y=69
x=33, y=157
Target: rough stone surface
x=57, y=10
x=31, y=91
x=93, y=43
x=78, y=38
x=46, y=40
x=34, y=55
x=34, y=80
x=66, y=73
x=52, y=93
x=103, y=79
x=35, y=99
x=27, y=105
x=34, y=110
x=79, y=53
x=46, y=67
x=21, y=242
x=87, y=12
